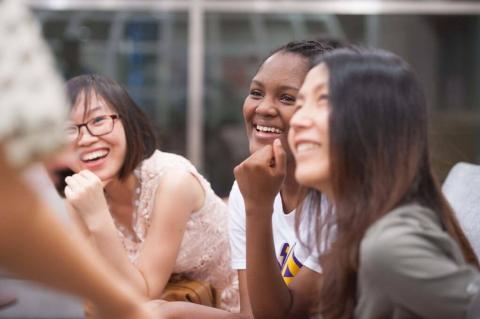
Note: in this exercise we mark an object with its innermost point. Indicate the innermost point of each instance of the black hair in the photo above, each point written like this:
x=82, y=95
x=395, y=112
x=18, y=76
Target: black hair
x=379, y=160
x=310, y=49
x=141, y=140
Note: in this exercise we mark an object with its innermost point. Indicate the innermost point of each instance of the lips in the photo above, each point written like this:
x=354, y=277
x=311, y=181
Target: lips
x=302, y=148
x=93, y=155
x=94, y=159
x=306, y=146
x=267, y=129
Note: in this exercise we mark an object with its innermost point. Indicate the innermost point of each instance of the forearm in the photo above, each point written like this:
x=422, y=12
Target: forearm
x=31, y=235
x=269, y=295
x=103, y=235
x=188, y=310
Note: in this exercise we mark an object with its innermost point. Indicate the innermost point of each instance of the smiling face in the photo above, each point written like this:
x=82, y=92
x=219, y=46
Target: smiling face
x=309, y=133
x=271, y=100
x=103, y=155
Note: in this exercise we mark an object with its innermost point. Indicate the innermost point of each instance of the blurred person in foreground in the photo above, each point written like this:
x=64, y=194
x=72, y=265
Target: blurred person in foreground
x=34, y=244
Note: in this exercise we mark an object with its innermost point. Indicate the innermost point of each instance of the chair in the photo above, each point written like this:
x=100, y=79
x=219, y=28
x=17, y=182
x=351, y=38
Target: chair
x=462, y=189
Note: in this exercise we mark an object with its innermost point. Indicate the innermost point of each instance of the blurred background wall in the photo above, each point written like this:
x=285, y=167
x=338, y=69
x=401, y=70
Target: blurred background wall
x=188, y=63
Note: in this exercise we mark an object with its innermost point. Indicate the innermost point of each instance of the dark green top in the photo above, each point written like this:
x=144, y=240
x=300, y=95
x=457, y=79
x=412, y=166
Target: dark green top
x=411, y=268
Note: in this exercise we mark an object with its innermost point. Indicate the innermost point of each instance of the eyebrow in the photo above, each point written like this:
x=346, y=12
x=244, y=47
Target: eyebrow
x=319, y=87
x=316, y=89
x=282, y=87
x=93, y=110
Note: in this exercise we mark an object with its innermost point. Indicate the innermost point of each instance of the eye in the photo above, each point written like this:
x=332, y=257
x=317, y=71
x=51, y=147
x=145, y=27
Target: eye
x=70, y=129
x=323, y=97
x=288, y=99
x=255, y=93
x=99, y=120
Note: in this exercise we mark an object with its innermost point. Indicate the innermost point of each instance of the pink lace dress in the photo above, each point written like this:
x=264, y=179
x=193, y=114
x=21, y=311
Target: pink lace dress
x=204, y=252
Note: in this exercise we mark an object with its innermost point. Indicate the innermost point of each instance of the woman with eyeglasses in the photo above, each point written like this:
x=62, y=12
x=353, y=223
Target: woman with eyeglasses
x=359, y=138
x=149, y=213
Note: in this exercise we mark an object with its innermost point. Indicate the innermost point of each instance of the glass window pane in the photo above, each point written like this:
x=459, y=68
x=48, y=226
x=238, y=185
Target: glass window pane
x=444, y=51
x=144, y=51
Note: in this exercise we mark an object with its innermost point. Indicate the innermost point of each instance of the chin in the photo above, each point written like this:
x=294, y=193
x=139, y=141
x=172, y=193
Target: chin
x=306, y=177
x=254, y=146
x=103, y=176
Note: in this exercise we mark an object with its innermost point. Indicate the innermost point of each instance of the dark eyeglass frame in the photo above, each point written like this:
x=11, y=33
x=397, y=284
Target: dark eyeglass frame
x=79, y=126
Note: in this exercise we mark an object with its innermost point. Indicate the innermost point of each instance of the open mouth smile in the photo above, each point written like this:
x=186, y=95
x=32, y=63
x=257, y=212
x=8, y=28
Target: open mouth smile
x=94, y=156
x=267, y=129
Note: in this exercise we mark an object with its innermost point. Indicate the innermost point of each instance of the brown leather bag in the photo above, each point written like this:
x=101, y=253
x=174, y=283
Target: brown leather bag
x=189, y=290
x=178, y=289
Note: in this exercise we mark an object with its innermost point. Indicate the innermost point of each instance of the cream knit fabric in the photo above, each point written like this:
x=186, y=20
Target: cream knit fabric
x=32, y=99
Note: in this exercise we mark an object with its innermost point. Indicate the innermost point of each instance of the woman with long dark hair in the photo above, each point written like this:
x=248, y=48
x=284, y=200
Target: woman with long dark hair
x=360, y=139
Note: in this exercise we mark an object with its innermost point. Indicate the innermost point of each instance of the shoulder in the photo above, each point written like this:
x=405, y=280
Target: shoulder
x=404, y=234
x=169, y=169
x=178, y=179
x=181, y=185
x=159, y=160
x=236, y=207
x=409, y=258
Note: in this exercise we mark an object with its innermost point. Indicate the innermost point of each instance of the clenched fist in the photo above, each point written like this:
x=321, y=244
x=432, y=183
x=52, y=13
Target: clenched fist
x=261, y=176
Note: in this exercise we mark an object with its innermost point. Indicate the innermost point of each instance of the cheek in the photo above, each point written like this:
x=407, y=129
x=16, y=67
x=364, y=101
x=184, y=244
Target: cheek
x=123, y=142
x=290, y=138
x=248, y=109
x=287, y=115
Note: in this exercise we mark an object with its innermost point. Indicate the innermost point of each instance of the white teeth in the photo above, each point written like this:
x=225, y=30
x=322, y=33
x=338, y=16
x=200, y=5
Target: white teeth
x=268, y=129
x=306, y=147
x=94, y=155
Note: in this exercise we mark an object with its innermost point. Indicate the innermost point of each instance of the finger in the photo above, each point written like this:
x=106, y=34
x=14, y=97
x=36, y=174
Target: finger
x=73, y=182
x=68, y=192
x=263, y=156
x=91, y=178
x=89, y=175
x=239, y=170
x=82, y=180
x=280, y=156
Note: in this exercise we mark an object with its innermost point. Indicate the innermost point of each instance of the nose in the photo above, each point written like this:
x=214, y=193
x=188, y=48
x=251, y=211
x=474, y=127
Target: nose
x=300, y=120
x=266, y=107
x=85, y=138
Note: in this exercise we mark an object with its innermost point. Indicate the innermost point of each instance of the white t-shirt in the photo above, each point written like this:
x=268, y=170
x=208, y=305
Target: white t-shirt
x=291, y=253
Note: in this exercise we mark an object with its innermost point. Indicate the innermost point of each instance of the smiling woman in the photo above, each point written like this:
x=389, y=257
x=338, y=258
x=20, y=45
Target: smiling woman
x=105, y=159
x=311, y=146
x=360, y=139
x=271, y=100
x=265, y=195
x=130, y=197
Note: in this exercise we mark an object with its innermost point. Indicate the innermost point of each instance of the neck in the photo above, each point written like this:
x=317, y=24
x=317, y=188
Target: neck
x=292, y=193
x=121, y=192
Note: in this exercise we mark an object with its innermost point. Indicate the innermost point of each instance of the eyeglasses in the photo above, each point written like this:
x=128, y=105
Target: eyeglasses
x=98, y=126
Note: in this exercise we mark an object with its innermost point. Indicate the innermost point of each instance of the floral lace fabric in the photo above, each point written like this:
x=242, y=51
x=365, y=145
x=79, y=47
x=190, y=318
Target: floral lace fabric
x=205, y=252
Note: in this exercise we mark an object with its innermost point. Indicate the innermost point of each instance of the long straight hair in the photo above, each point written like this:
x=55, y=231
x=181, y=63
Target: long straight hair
x=379, y=160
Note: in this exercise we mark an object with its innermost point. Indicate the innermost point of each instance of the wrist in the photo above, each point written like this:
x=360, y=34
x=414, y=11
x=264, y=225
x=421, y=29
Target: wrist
x=259, y=210
x=97, y=222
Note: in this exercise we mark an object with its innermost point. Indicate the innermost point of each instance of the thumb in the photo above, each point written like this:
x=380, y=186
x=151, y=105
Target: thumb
x=279, y=156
